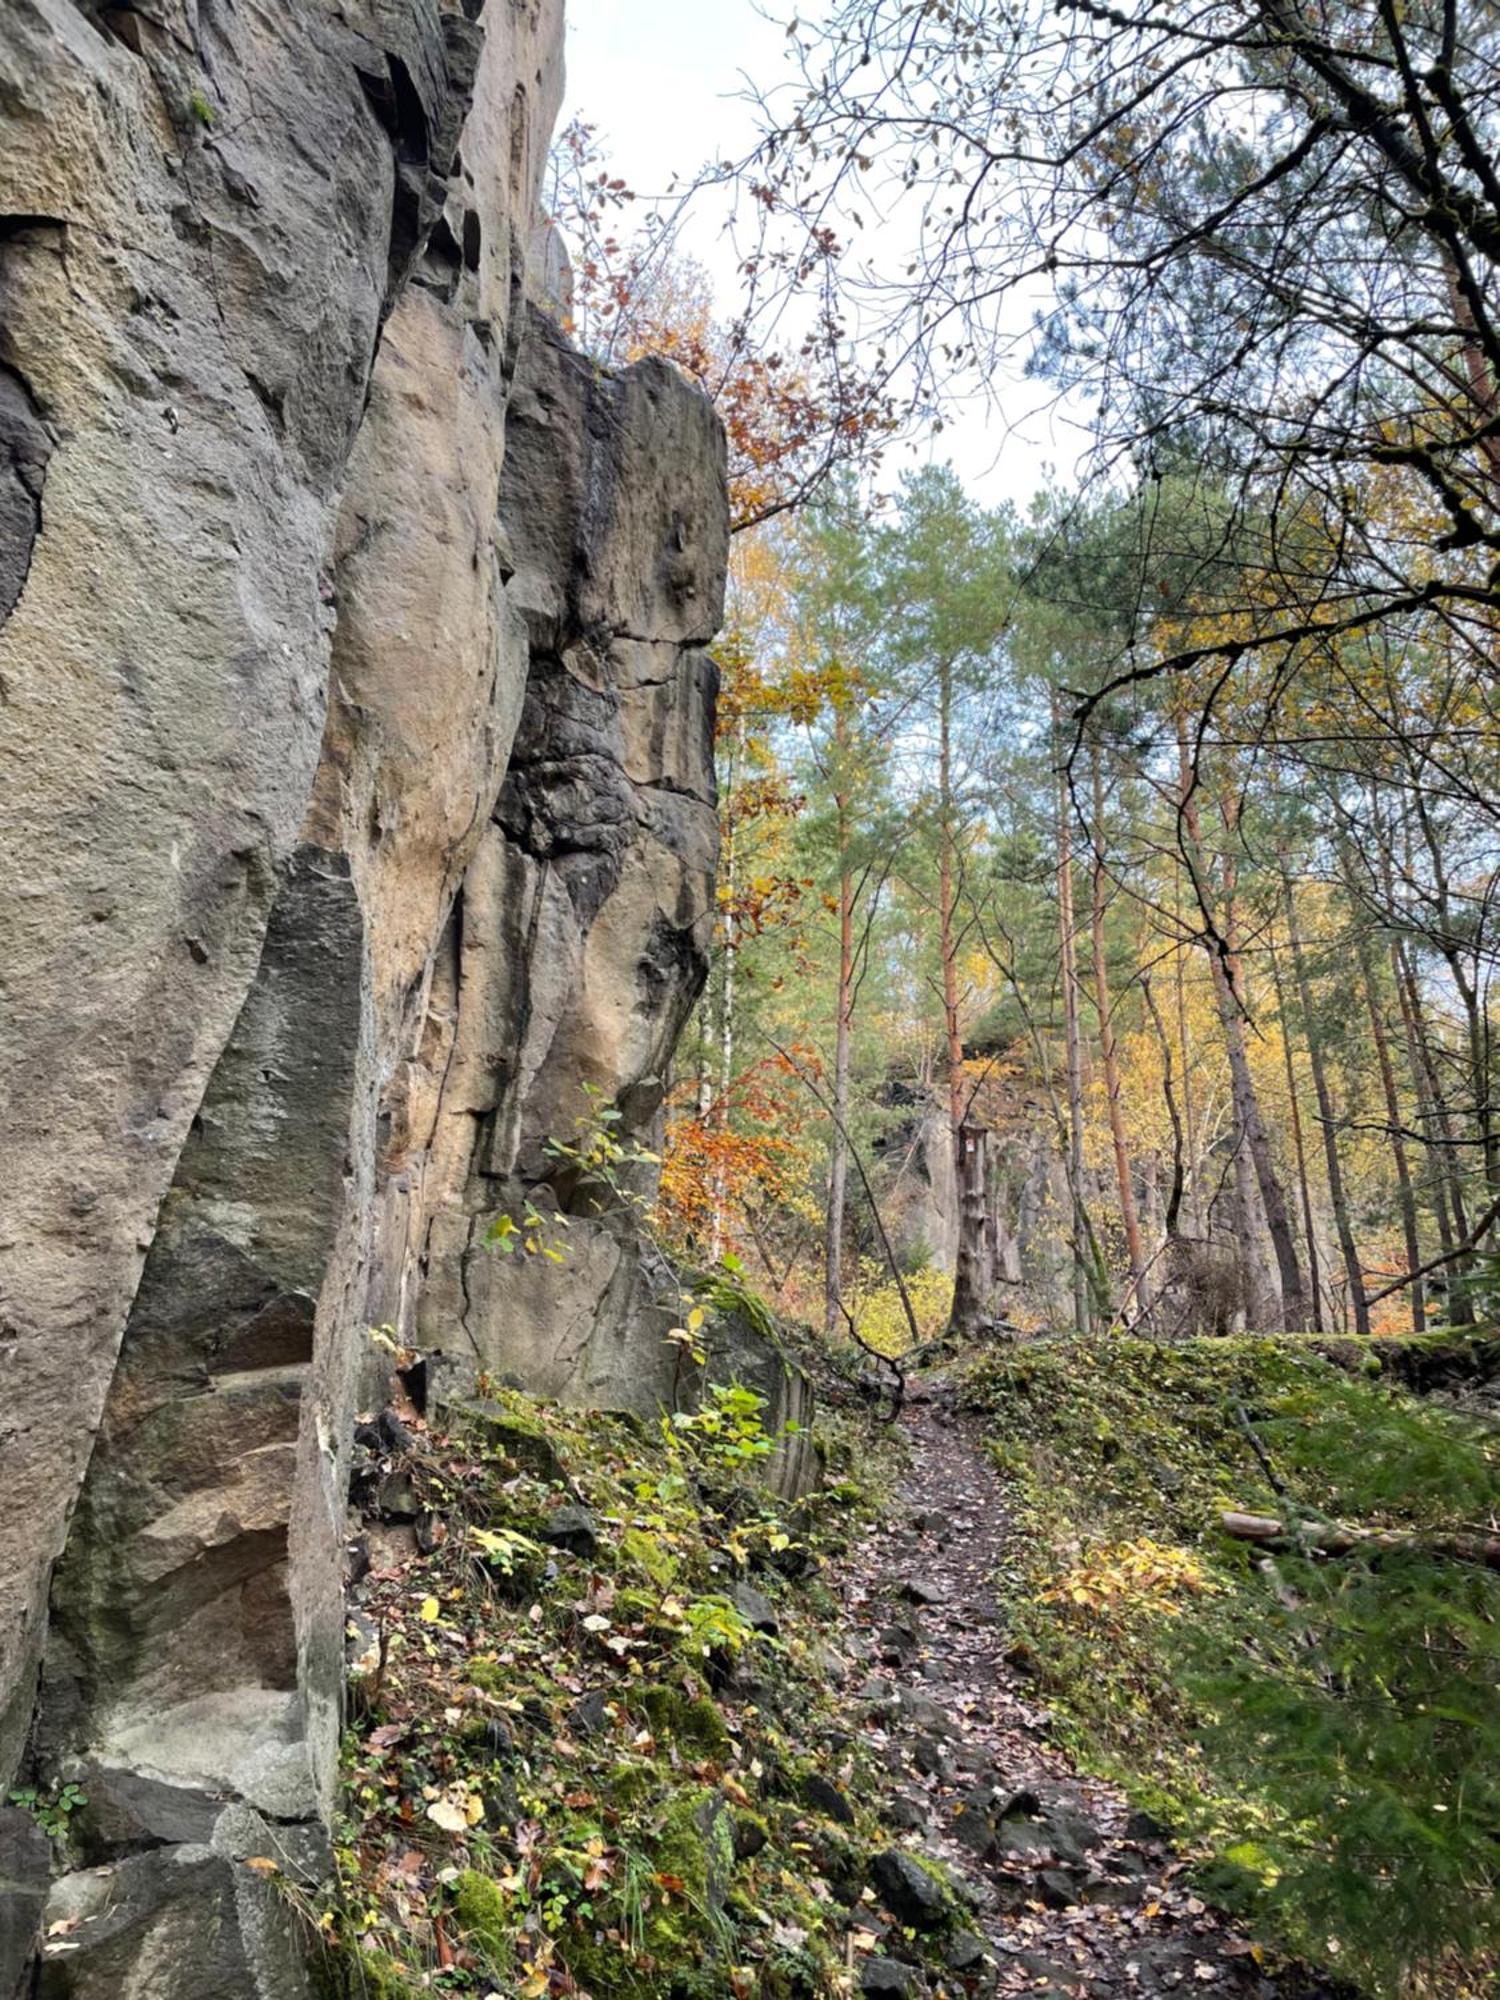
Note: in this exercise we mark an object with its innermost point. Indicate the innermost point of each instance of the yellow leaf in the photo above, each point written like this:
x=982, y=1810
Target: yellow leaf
x=431, y=1611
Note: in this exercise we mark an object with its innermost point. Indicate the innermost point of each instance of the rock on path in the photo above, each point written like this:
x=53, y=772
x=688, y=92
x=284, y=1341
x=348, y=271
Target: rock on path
x=1074, y=1895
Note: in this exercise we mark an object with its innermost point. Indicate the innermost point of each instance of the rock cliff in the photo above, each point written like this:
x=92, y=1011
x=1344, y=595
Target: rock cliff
x=356, y=806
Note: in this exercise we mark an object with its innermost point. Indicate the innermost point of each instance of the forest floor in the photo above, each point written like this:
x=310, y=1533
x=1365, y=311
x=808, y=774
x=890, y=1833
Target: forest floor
x=1075, y=1894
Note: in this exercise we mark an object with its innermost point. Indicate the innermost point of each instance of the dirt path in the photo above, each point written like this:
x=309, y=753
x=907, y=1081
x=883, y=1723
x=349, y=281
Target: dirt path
x=1076, y=1896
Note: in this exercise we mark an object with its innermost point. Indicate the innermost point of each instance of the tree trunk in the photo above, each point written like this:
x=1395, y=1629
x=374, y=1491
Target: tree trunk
x=971, y=1289
x=1299, y=1146
x=1107, y=1048
x=1348, y=1249
x=726, y=1002
x=1405, y=1194
x=1184, y=1041
x=1331, y=1538
x=838, y=1152
x=1068, y=958
x=970, y=1292
x=1466, y=985
x=1447, y=1185
x=1229, y=997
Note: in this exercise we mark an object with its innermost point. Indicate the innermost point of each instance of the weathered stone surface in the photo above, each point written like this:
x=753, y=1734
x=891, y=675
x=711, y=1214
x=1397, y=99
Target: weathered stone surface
x=184, y=1919
x=358, y=812
x=195, y=259
x=909, y=1891
x=581, y=936
x=755, y=1608
x=25, y=1874
x=171, y=1680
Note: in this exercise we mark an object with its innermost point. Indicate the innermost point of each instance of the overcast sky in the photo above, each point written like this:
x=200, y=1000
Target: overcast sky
x=660, y=79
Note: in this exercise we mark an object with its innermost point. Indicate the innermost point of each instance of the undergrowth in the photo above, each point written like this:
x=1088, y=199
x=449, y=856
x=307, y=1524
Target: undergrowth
x=1325, y=1729
x=577, y=1761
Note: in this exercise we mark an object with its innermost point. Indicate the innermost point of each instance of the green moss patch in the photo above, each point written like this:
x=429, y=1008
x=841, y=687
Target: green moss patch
x=566, y=1774
x=1326, y=1729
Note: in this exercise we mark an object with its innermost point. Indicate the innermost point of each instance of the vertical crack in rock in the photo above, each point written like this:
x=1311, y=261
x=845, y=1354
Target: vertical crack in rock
x=587, y=905
x=25, y=447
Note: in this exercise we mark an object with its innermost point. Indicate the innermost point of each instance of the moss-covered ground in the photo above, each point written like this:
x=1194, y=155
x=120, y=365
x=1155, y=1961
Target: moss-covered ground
x=574, y=1764
x=1326, y=1731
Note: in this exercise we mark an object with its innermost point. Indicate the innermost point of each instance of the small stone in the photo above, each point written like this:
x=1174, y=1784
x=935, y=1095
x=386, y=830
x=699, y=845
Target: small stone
x=394, y=1434
x=396, y=1498
x=1070, y=1835
x=974, y=1830
x=824, y=1797
x=967, y=1953
x=897, y=1643
x=756, y=1609
x=1022, y=1804
x=750, y=1836
x=877, y=1690
x=921, y=1590
x=908, y=1890
x=924, y=1713
x=25, y=1873
x=1056, y=1888
x=880, y=1978
x=590, y=1716
x=930, y=1521
x=573, y=1530
x=1146, y=1826
x=1113, y=1892
x=498, y=1739
x=1019, y=1838
x=906, y=1812
x=932, y=1759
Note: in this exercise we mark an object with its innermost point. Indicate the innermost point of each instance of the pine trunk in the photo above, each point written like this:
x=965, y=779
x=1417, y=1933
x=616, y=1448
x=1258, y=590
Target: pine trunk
x=1107, y=1047
x=1348, y=1249
x=1066, y=933
x=838, y=1156
x=1406, y=1195
x=1229, y=998
x=1300, y=1148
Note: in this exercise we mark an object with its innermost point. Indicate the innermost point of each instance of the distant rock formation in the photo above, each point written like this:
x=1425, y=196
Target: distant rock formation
x=357, y=810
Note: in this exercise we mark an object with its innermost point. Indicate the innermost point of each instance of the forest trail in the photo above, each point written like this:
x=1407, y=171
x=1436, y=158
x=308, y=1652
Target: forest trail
x=1076, y=1895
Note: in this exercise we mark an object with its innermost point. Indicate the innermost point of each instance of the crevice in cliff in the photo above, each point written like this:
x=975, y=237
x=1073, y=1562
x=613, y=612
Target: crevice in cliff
x=25, y=447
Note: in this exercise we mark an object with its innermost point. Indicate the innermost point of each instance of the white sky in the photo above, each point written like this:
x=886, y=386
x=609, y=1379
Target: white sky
x=659, y=78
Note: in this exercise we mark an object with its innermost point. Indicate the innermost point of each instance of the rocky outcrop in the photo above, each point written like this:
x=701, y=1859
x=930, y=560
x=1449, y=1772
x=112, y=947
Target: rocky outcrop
x=358, y=812
x=584, y=923
x=1023, y=1249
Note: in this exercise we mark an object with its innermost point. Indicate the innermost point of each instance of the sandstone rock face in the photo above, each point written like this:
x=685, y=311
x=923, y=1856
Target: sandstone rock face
x=582, y=934
x=357, y=811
